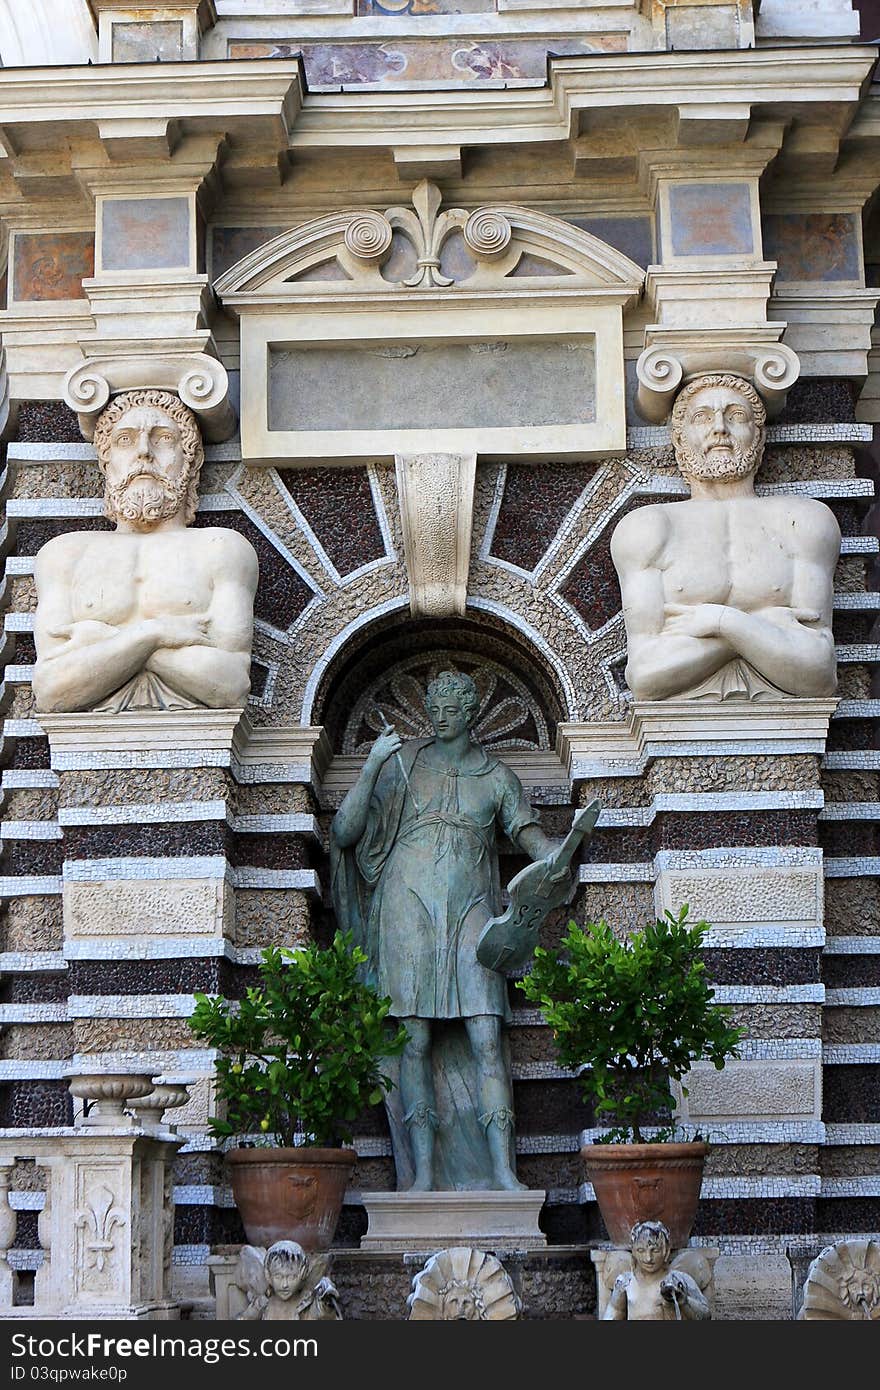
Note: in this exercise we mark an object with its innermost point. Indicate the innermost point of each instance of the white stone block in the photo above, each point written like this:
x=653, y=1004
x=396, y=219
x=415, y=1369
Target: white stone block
x=760, y=1090
x=428, y=1221
x=144, y=907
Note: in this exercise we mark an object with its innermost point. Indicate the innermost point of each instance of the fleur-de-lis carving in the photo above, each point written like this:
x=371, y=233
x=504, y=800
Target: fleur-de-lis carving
x=427, y=228
x=103, y=1219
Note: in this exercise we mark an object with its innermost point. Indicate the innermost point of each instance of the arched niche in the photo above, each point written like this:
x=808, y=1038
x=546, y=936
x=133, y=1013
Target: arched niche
x=422, y=330
x=383, y=671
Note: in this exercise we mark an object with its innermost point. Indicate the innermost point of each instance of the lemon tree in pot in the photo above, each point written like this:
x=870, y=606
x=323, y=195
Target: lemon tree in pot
x=631, y=1017
x=300, y=1056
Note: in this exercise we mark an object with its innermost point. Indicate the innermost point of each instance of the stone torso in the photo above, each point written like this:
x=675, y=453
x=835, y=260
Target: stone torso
x=121, y=578
x=740, y=552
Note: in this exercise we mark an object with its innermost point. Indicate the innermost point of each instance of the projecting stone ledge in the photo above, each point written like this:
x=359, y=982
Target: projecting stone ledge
x=428, y=1221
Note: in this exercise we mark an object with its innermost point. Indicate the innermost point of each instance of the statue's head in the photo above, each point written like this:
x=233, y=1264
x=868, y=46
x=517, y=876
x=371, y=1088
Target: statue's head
x=650, y=1245
x=461, y=1302
x=150, y=451
x=452, y=703
x=286, y=1267
x=718, y=425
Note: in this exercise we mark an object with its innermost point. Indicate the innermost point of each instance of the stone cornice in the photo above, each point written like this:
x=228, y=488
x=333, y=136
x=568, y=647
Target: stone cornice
x=828, y=79
x=253, y=90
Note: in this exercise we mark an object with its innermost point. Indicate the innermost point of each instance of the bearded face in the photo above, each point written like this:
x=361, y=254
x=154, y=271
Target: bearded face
x=147, y=474
x=719, y=439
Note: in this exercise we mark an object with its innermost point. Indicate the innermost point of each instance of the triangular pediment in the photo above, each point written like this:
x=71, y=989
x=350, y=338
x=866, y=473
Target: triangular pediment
x=424, y=247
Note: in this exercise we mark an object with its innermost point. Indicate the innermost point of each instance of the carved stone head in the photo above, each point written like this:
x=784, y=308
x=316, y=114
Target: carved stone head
x=718, y=426
x=650, y=1246
x=150, y=451
x=287, y=1266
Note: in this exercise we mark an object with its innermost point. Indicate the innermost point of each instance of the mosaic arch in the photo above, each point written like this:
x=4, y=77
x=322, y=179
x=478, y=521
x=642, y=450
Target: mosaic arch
x=383, y=673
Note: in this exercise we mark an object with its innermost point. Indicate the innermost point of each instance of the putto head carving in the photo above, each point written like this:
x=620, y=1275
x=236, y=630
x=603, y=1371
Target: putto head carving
x=460, y=687
x=718, y=427
x=150, y=451
x=651, y=1246
x=287, y=1267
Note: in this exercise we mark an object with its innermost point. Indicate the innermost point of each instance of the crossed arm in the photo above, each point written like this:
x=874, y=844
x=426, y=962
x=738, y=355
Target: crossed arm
x=672, y=646
x=203, y=657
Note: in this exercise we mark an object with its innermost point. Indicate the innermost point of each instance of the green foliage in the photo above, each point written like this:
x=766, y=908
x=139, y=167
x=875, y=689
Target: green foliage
x=632, y=1016
x=301, y=1053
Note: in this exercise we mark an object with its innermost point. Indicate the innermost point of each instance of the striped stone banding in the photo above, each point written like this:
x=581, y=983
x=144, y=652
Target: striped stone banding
x=850, y=1054
x=845, y=1134
x=769, y=994
x=737, y=1132
x=859, y=866
x=853, y=997
x=852, y=946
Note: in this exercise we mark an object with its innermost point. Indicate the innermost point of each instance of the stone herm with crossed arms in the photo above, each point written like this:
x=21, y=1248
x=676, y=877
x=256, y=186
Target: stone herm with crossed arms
x=155, y=614
x=727, y=594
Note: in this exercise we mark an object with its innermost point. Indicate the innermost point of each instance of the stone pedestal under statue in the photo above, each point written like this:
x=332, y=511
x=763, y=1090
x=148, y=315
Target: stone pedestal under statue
x=428, y=1221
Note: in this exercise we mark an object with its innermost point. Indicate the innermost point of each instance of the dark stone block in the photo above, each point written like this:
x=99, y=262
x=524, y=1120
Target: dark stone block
x=849, y=734
x=47, y=422
x=755, y=1216
x=30, y=753
x=181, y=975
x=35, y=1104
x=820, y=401
x=550, y=1107
x=536, y=501
x=208, y=1226
x=592, y=587
x=847, y=972
x=161, y=841
x=26, y=1237
x=31, y=857
x=849, y=1214
x=35, y=987
x=32, y=535
x=843, y=839
x=701, y=830
x=763, y=965
x=338, y=505
x=271, y=851
x=851, y=1094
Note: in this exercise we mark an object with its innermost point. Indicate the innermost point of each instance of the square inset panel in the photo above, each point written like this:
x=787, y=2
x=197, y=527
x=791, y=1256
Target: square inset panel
x=145, y=234
x=814, y=246
x=631, y=235
x=231, y=244
x=711, y=219
x=52, y=265
x=703, y=26
x=144, y=43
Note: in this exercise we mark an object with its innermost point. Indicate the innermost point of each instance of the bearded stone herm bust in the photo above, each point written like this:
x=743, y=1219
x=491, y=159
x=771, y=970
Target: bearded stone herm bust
x=728, y=594
x=151, y=615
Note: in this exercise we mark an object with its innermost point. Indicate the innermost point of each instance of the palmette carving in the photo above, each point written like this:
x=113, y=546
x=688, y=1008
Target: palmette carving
x=463, y=1285
x=843, y=1283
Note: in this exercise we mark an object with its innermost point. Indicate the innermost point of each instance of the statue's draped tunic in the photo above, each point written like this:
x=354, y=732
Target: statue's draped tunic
x=417, y=891
x=437, y=885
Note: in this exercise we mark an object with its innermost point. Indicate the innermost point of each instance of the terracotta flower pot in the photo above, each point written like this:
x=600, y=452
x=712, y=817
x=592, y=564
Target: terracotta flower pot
x=290, y=1194
x=646, y=1182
